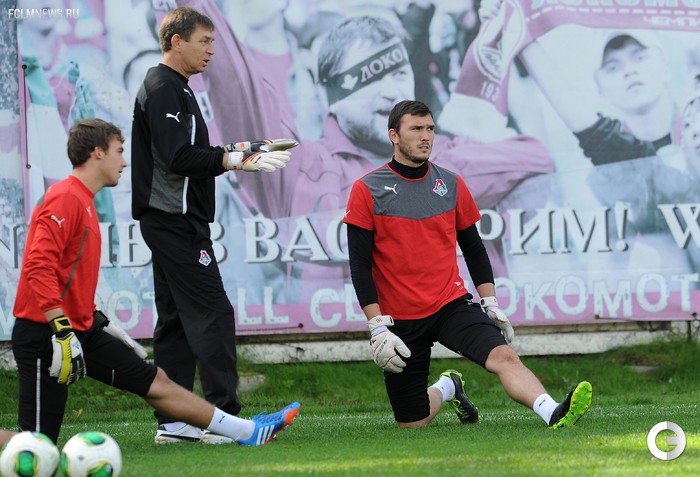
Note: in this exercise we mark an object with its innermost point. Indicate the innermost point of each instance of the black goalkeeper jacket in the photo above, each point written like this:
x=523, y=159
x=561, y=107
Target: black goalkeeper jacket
x=173, y=165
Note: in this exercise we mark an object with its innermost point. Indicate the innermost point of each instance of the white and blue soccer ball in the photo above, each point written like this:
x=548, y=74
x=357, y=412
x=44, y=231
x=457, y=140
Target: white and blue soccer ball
x=29, y=454
x=91, y=454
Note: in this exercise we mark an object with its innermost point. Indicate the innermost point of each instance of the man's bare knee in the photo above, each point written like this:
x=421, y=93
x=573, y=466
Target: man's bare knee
x=502, y=357
x=159, y=385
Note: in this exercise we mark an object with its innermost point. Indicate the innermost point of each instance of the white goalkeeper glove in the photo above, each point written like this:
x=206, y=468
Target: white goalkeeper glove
x=266, y=155
x=490, y=306
x=257, y=161
x=387, y=348
x=119, y=333
x=68, y=360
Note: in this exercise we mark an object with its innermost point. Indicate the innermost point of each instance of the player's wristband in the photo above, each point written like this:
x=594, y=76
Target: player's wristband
x=61, y=326
x=379, y=321
x=234, y=162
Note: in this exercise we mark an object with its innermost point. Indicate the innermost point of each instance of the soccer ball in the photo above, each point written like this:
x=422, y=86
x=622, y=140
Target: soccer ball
x=29, y=454
x=93, y=454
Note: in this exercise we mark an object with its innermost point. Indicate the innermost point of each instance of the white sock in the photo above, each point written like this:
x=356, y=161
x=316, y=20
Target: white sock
x=231, y=426
x=446, y=388
x=544, y=407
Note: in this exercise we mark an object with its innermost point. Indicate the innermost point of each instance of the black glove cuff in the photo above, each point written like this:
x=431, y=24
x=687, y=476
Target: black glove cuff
x=61, y=326
x=100, y=318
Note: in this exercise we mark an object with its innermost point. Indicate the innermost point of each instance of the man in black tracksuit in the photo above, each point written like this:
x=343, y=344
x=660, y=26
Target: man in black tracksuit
x=173, y=171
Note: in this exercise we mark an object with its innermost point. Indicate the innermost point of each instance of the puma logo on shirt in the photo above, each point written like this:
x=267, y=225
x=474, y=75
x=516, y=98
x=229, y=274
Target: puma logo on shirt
x=59, y=222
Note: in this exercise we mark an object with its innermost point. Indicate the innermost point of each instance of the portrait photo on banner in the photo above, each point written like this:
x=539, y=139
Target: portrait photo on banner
x=575, y=129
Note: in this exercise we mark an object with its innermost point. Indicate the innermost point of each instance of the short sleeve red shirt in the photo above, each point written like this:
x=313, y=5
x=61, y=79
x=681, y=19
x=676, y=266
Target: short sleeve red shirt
x=415, y=223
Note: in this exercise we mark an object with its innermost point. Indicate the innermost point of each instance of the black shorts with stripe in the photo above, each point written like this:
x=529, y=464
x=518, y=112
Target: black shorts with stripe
x=42, y=400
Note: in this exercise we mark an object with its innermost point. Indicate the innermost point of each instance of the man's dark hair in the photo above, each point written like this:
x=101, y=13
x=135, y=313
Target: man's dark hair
x=409, y=106
x=88, y=134
x=337, y=42
x=181, y=21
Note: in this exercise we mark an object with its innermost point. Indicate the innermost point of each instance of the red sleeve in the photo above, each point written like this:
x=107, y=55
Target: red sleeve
x=467, y=212
x=54, y=225
x=360, y=207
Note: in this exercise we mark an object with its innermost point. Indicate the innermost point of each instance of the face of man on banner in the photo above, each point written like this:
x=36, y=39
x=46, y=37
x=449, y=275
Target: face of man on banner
x=372, y=80
x=633, y=74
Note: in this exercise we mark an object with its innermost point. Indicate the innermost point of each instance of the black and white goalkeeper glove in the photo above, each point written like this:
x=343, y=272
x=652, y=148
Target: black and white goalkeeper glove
x=119, y=333
x=266, y=155
x=490, y=306
x=257, y=161
x=387, y=348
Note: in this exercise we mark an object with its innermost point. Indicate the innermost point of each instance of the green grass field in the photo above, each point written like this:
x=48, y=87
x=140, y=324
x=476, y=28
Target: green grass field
x=346, y=427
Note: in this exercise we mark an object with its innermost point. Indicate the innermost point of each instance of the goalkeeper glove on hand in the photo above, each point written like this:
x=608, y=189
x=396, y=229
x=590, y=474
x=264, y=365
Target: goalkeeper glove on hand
x=266, y=155
x=387, y=348
x=119, y=333
x=68, y=361
x=264, y=145
x=257, y=161
x=490, y=306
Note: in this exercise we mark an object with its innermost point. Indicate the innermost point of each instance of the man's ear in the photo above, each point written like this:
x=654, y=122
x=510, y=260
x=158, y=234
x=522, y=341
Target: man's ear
x=393, y=136
x=175, y=41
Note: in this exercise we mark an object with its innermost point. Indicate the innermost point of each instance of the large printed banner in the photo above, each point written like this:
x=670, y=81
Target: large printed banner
x=574, y=124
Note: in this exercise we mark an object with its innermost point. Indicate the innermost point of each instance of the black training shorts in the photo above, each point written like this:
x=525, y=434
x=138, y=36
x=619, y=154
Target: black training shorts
x=42, y=400
x=460, y=326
